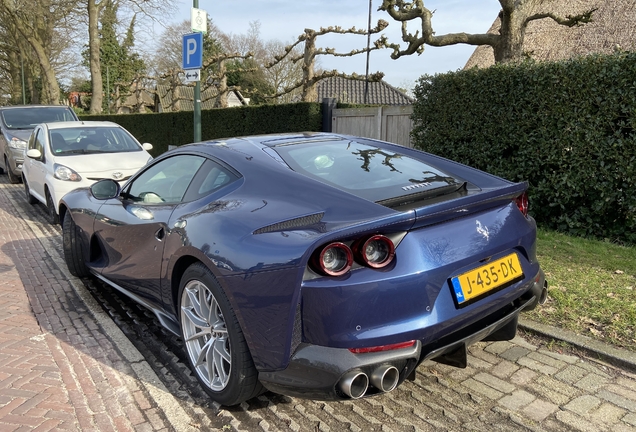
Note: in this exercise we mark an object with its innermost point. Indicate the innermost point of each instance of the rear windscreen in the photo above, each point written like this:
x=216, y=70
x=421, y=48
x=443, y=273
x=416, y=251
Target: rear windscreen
x=370, y=172
x=28, y=118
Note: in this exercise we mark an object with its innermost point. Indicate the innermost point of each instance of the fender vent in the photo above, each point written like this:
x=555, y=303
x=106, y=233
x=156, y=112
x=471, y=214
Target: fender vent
x=292, y=224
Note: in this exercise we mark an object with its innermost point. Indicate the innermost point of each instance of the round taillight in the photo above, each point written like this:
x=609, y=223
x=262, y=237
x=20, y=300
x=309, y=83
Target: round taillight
x=522, y=203
x=377, y=251
x=335, y=259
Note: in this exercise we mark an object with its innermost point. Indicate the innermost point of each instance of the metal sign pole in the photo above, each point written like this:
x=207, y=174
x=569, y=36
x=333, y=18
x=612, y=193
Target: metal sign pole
x=197, y=98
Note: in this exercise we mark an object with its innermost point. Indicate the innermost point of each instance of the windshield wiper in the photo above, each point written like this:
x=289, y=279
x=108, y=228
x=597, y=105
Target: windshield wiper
x=81, y=151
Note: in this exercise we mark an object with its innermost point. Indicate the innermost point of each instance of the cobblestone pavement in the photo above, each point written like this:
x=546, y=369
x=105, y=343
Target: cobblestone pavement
x=76, y=356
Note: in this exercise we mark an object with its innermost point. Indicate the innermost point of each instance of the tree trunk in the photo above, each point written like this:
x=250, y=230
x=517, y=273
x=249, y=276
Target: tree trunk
x=509, y=46
x=32, y=96
x=97, y=85
x=49, y=80
x=117, y=102
x=16, y=77
x=176, y=94
x=310, y=93
x=222, y=85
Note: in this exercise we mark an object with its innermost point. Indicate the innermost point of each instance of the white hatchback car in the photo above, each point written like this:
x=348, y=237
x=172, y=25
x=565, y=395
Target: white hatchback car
x=64, y=156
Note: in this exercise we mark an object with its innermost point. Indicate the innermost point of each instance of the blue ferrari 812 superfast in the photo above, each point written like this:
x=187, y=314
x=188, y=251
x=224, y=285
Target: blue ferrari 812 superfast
x=314, y=265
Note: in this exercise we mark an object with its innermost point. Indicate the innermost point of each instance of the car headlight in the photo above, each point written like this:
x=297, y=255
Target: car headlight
x=62, y=172
x=17, y=143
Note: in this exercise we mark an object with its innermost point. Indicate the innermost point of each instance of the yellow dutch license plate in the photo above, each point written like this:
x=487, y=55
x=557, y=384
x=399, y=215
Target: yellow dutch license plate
x=488, y=277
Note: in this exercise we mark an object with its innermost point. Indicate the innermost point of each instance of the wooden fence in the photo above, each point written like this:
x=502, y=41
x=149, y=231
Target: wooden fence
x=391, y=123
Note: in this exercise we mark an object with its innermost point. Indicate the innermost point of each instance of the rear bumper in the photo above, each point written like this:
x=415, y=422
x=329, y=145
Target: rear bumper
x=318, y=372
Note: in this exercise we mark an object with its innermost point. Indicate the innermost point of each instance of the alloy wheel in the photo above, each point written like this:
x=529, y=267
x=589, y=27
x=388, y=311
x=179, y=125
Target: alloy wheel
x=205, y=335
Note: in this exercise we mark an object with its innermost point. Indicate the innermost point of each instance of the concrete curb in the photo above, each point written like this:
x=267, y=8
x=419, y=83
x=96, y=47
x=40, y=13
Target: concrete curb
x=608, y=353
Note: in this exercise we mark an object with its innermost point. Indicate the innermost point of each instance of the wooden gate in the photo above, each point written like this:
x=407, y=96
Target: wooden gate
x=390, y=123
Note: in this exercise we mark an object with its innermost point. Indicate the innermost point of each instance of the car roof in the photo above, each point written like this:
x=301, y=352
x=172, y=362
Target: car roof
x=76, y=124
x=12, y=107
x=273, y=140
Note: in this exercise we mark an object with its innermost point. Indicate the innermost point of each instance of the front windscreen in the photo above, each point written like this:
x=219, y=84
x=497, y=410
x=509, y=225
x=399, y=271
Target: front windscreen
x=373, y=173
x=86, y=140
x=29, y=117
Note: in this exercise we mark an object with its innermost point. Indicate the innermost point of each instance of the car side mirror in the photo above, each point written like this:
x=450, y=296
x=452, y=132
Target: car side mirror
x=34, y=154
x=147, y=146
x=105, y=189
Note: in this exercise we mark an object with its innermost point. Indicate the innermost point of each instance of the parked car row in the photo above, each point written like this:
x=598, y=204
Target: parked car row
x=53, y=152
x=315, y=265
x=63, y=156
x=16, y=125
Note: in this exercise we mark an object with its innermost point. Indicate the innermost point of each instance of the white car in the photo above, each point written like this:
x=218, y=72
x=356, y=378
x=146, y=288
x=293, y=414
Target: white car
x=64, y=156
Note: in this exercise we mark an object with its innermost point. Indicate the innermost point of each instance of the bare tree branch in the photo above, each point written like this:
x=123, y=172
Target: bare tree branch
x=568, y=21
x=507, y=45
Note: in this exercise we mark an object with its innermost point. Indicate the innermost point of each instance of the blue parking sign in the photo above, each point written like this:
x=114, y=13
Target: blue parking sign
x=193, y=51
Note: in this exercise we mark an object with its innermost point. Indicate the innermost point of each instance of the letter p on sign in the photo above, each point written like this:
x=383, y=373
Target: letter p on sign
x=193, y=51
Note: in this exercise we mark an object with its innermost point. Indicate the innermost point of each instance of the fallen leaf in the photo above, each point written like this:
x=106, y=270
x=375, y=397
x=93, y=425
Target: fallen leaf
x=619, y=272
x=590, y=321
x=596, y=332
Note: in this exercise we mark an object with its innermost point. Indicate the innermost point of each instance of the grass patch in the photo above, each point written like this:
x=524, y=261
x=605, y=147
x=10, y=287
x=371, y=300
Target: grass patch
x=592, y=287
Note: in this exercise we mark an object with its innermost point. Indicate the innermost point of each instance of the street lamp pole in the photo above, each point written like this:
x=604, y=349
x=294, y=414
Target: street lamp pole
x=366, y=76
x=197, y=98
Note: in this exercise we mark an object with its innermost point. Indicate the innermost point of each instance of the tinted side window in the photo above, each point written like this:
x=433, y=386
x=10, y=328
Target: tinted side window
x=165, y=181
x=31, y=144
x=211, y=177
x=39, y=142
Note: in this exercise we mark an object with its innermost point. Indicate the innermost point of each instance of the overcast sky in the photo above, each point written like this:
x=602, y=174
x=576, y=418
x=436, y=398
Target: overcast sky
x=285, y=20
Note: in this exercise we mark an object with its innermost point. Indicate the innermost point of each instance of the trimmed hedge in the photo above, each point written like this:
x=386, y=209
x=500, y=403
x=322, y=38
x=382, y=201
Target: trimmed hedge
x=565, y=127
x=164, y=129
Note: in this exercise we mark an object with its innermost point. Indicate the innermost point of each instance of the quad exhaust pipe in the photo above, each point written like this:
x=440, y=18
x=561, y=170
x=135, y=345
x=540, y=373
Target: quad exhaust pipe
x=355, y=383
x=385, y=378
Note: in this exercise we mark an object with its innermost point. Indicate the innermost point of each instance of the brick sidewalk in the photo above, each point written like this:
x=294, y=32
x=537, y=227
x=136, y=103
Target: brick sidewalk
x=58, y=369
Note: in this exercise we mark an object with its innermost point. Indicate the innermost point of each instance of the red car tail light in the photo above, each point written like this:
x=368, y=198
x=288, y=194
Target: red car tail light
x=382, y=347
x=522, y=203
x=334, y=259
x=376, y=251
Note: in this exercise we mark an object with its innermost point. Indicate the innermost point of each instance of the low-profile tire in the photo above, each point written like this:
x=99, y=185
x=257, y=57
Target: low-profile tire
x=214, y=341
x=12, y=177
x=73, y=250
x=27, y=193
x=52, y=215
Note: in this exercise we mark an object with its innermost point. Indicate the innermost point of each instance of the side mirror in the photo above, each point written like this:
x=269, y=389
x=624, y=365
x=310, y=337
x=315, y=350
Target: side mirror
x=105, y=189
x=34, y=154
x=147, y=146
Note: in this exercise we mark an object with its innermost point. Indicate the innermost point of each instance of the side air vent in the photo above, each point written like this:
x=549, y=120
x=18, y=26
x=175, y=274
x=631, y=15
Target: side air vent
x=292, y=224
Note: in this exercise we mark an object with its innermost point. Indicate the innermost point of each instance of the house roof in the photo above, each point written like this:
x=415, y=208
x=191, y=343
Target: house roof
x=186, y=93
x=352, y=91
x=613, y=26
x=209, y=98
x=147, y=98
